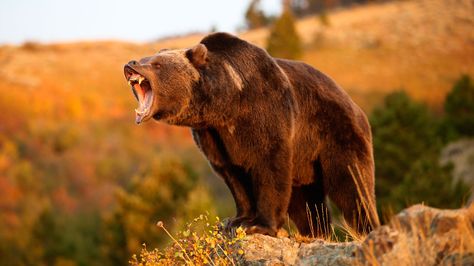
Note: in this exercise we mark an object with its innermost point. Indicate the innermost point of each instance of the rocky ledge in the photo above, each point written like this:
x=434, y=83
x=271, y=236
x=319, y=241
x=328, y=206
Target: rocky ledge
x=419, y=235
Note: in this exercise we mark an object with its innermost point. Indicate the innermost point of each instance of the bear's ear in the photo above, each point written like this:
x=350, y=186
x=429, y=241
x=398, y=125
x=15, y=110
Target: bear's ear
x=197, y=55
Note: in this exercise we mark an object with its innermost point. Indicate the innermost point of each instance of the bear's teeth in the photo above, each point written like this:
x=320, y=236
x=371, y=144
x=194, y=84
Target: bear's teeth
x=140, y=80
x=141, y=112
x=130, y=82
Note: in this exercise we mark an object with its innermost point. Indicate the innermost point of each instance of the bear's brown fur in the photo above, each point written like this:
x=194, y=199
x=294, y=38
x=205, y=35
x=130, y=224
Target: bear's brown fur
x=281, y=134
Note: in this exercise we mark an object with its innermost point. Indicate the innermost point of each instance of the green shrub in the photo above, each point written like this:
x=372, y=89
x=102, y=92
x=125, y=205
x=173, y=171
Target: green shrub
x=407, y=147
x=459, y=108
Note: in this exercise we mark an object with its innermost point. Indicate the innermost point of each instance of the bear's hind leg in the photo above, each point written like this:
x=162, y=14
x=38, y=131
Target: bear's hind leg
x=309, y=212
x=358, y=210
x=354, y=212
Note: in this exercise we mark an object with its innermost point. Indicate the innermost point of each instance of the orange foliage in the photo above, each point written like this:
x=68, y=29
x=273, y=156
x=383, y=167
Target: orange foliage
x=64, y=200
x=10, y=195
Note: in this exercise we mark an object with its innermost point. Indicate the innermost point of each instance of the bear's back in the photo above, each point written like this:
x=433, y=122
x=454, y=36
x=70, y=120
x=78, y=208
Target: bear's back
x=326, y=118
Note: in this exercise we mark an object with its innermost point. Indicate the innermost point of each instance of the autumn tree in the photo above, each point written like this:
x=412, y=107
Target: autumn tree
x=167, y=191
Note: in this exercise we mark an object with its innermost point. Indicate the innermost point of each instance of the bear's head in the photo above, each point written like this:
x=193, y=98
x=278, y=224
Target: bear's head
x=163, y=83
x=210, y=83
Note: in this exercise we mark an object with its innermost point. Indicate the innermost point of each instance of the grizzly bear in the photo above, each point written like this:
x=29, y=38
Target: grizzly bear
x=281, y=134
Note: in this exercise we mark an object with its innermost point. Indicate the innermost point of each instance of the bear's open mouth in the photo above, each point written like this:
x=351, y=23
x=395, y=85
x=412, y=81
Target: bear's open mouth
x=141, y=88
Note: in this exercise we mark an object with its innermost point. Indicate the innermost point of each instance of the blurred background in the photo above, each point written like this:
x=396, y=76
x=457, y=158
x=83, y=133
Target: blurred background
x=81, y=184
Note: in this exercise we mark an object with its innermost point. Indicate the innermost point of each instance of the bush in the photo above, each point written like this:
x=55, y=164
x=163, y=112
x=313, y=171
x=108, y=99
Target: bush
x=429, y=183
x=459, y=108
x=407, y=147
x=200, y=243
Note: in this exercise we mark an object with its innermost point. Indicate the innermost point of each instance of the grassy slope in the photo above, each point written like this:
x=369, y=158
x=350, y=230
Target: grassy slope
x=421, y=46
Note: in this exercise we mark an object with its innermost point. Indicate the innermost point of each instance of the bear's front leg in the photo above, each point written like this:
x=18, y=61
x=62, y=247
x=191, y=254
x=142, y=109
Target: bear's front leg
x=271, y=182
x=240, y=186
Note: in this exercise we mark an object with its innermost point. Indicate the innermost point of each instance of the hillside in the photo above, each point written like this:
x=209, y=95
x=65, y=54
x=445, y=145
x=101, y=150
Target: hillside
x=420, y=46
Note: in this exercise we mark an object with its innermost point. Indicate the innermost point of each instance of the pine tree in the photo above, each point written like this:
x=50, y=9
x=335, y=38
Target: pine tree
x=254, y=17
x=284, y=41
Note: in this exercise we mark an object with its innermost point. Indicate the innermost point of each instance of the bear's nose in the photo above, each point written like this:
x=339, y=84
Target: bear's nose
x=133, y=63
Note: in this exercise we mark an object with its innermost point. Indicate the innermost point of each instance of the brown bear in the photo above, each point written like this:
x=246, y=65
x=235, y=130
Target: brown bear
x=280, y=133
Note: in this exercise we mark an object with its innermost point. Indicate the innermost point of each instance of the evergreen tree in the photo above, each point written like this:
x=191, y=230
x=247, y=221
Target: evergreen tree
x=284, y=41
x=254, y=16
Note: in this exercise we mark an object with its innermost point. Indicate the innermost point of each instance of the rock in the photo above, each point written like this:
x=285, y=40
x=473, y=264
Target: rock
x=419, y=235
x=379, y=241
x=266, y=250
x=323, y=253
x=432, y=221
x=461, y=155
x=423, y=235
